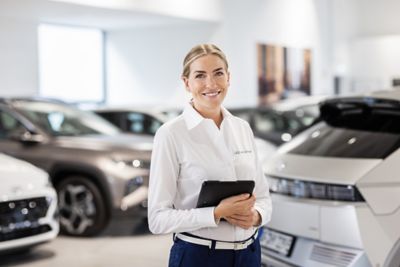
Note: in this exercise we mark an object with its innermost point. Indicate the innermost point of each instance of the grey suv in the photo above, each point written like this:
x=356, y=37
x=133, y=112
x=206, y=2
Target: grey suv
x=98, y=172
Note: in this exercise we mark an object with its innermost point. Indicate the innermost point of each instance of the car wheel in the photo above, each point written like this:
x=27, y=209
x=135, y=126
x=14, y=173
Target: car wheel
x=82, y=211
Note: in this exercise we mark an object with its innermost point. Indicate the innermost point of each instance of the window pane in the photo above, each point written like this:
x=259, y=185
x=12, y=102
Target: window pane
x=71, y=63
x=329, y=141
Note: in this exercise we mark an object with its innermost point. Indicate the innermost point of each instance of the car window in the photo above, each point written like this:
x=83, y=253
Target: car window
x=243, y=114
x=63, y=120
x=111, y=117
x=142, y=123
x=265, y=121
x=328, y=141
x=294, y=125
x=352, y=131
x=9, y=125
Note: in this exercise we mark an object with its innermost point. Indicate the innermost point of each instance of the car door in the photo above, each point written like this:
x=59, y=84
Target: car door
x=11, y=131
x=141, y=123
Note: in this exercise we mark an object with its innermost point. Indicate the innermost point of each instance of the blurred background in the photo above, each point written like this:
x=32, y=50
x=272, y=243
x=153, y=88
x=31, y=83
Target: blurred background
x=130, y=52
x=81, y=79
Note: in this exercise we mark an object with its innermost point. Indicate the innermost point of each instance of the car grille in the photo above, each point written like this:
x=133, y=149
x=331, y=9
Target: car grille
x=20, y=218
x=20, y=233
x=332, y=256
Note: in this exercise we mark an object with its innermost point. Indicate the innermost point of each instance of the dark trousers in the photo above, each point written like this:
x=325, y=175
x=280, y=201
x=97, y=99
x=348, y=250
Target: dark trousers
x=185, y=254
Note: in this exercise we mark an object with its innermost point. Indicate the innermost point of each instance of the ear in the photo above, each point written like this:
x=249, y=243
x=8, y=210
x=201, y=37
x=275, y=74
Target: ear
x=229, y=78
x=186, y=83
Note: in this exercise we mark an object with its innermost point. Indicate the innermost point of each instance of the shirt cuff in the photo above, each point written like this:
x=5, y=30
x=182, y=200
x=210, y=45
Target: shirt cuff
x=206, y=217
x=261, y=212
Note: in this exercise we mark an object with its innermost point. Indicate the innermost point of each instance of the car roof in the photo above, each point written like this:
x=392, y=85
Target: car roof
x=391, y=94
x=10, y=100
x=299, y=102
x=143, y=110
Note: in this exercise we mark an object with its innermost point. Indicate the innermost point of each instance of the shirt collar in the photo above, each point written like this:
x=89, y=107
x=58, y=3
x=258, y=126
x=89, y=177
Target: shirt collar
x=193, y=118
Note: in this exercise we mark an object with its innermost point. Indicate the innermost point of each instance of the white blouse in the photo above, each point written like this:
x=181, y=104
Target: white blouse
x=189, y=150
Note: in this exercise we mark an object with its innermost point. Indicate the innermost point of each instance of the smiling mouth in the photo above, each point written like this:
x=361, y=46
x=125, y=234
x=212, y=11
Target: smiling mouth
x=212, y=93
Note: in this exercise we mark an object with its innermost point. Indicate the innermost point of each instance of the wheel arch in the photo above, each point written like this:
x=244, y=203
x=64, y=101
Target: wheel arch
x=393, y=259
x=61, y=171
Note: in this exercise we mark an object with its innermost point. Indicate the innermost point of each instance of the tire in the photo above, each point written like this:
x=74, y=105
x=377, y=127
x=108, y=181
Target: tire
x=82, y=211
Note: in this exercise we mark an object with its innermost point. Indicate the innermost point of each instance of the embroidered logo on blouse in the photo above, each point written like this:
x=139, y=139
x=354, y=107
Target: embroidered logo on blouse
x=242, y=152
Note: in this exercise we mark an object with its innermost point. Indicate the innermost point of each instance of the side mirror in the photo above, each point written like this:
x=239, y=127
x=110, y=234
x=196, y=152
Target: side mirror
x=28, y=137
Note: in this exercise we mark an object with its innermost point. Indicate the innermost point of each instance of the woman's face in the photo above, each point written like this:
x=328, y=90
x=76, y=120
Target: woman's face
x=208, y=82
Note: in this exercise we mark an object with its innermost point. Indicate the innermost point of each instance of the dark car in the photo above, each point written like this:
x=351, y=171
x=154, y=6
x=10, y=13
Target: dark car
x=147, y=122
x=97, y=171
x=273, y=125
x=133, y=120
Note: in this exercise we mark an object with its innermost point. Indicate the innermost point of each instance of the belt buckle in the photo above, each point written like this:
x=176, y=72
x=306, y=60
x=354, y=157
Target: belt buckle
x=238, y=246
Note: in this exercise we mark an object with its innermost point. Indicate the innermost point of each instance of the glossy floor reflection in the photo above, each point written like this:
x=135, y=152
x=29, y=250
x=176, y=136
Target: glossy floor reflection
x=125, y=243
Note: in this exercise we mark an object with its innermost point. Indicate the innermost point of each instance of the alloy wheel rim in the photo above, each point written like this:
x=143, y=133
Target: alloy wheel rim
x=77, y=208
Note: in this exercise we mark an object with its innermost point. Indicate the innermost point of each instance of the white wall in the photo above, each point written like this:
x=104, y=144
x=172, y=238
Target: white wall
x=378, y=17
x=18, y=58
x=366, y=40
x=375, y=61
x=145, y=65
x=292, y=23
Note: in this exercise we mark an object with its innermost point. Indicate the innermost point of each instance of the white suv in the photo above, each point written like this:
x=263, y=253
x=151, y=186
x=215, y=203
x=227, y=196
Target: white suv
x=27, y=205
x=336, y=188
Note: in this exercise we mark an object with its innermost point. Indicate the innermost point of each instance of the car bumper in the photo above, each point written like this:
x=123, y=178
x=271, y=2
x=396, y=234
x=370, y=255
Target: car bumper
x=135, y=198
x=44, y=230
x=323, y=233
x=311, y=253
x=137, y=212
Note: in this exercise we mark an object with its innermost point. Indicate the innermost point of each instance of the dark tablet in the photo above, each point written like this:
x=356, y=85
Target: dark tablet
x=212, y=192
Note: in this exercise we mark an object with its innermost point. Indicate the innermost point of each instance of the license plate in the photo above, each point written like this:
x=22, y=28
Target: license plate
x=278, y=242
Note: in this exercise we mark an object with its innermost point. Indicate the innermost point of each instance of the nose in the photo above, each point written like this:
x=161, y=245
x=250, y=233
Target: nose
x=210, y=82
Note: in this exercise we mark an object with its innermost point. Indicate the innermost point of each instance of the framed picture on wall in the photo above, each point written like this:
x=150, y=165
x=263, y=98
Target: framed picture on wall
x=283, y=72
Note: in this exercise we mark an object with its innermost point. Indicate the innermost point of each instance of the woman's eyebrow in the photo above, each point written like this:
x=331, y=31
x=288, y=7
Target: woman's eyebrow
x=202, y=71
x=218, y=69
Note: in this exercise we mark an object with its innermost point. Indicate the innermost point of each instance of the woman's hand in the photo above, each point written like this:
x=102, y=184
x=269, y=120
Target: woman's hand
x=238, y=210
x=247, y=220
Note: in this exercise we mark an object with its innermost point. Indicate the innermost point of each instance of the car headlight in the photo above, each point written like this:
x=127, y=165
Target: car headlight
x=305, y=189
x=134, y=163
x=133, y=184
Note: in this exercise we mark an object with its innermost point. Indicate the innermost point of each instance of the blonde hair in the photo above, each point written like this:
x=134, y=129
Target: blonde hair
x=200, y=51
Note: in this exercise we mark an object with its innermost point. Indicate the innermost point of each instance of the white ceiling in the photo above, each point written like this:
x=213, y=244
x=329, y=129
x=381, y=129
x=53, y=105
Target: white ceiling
x=105, y=17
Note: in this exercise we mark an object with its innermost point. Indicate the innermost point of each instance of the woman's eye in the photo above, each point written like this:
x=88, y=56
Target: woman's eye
x=199, y=76
x=219, y=73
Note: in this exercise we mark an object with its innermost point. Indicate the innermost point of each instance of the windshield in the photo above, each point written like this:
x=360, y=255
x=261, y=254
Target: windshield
x=353, y=130
x=265, y=120
x=63, y=120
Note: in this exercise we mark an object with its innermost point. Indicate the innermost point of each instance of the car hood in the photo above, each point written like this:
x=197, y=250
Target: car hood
x=265, y=149
x=18, y=177
x=319, y=169
x=107, y=142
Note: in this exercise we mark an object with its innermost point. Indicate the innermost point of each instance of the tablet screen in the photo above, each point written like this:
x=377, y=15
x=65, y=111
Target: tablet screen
x=212, y=192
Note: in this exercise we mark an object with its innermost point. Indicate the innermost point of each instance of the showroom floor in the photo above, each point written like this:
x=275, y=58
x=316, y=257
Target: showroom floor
x=121, y=245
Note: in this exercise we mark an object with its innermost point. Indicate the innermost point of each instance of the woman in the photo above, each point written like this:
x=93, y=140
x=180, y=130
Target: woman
x=204, y=143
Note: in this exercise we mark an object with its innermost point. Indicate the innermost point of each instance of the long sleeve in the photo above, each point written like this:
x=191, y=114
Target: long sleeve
x=164, y=173
x=263, y=199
